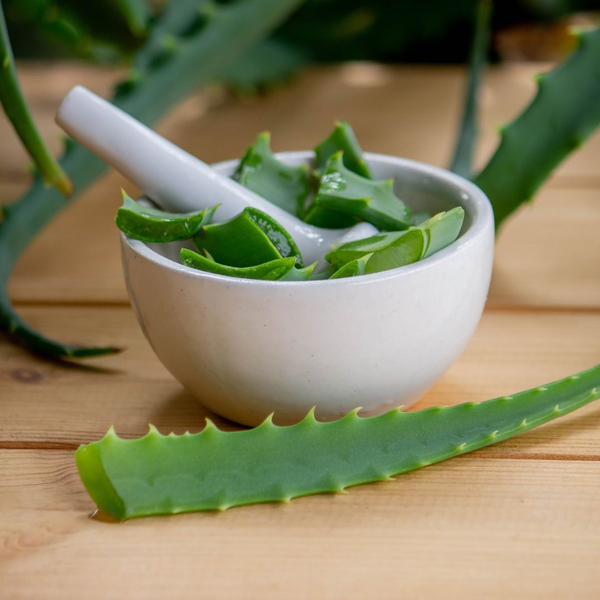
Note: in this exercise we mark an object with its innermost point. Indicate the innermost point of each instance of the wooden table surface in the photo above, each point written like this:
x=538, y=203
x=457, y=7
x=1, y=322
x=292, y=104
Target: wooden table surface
x=517, y=520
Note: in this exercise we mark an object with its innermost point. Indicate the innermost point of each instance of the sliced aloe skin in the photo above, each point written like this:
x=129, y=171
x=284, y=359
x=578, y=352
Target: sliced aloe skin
x=273, y=270
x=151, y=225
x=343, y=191
x=399, y=248
x=341, y=138
x=282, y=269
x=354, y=268
x=249, y=239
x=215, y=470
x=302, y=274
x=283, y=185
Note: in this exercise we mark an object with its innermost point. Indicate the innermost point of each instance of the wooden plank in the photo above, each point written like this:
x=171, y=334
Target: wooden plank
x=544, y=257
x=532, y=269
x=417, y=111
x=548, y=255
x=57, y=405
x=464, y=528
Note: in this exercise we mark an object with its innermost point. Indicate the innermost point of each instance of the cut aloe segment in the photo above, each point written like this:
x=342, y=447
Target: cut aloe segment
x=374, y=201
x=152, y=225
x=342, y=138
x=249, y=239
x=272, y=270
x=283, y=185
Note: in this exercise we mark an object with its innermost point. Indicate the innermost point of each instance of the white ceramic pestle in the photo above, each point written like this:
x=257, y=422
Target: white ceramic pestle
x=173, y=178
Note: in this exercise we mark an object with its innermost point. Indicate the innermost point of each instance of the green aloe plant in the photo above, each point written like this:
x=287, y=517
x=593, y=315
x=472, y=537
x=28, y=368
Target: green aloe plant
x=191, y=44
x=17, y=111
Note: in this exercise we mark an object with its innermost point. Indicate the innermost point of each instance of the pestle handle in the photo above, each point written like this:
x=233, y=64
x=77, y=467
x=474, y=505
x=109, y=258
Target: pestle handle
x=176, y=180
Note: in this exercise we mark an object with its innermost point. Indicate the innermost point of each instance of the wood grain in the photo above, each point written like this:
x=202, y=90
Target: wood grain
x=546, y=256
x=520, y=519
x=53, y=405
x=504, y=528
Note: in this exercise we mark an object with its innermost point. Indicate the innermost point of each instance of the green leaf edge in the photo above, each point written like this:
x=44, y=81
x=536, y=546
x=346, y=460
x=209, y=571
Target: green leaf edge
x=360, y=448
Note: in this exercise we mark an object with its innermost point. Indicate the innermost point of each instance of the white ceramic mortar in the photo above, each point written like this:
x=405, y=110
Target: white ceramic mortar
x=247, y=348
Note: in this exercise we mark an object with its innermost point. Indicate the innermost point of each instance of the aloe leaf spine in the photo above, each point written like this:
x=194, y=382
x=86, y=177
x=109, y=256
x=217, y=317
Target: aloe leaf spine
x=565, y=111
x=215, y=470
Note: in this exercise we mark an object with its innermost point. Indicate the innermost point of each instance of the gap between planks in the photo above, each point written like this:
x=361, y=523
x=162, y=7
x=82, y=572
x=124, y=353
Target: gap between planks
x=125, y=304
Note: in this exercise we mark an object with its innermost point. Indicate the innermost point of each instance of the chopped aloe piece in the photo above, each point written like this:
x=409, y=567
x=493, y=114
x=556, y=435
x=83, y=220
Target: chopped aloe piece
x=279, y=237
x=319, y=216
x=409, y=249
x=249, y=239
x=443, y=229
x=152, y=225
x=353, y=268
x=281, y=184
x=420, y=217
x=272, y=270
x=374, y=201
x=296, y=274
x=398, y=248
x=342, y=138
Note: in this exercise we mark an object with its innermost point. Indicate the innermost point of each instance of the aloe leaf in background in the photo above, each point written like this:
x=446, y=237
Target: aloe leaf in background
x=565, y=111
x=149, y=224
x=462, y=161
x=135, y=12
x=215, y=470
x=283, y=185
x=247, y=240
x=204, y=49
x=342, y=190
x=264, y=66
x=16, y=109
x=106, y=31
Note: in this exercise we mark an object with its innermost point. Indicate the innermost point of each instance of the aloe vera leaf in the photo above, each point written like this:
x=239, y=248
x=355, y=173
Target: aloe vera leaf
x=443, y=229
x=397, y=248
x=283, y=185
x=267, y=64
x=354, y=268
x=135, y=12
x=16, y=109
x=302, y=274
x=565, y=111
x=155, y=85
x=215, y=470
x=342, y=138
x=319, y=216
x=374, y=201
x=462, y=161
x=249, y=239
x=149, y=224
x=419, y=218
x=272, y=270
